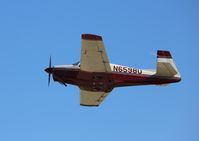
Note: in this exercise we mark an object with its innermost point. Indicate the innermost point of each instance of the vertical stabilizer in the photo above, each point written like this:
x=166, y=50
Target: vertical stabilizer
x=166, y=65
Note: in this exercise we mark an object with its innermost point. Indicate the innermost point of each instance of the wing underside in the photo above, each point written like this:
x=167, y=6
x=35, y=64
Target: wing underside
x=89, y=98
x=93, y=54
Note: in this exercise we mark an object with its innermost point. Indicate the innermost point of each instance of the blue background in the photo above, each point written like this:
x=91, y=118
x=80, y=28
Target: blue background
x=132, y=31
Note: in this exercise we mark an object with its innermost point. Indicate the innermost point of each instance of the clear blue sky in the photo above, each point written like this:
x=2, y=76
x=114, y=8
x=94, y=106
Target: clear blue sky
x=132, y=31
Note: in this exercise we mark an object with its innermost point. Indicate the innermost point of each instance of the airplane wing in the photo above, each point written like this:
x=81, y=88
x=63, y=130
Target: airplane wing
x=93, y=54
x=90, y=98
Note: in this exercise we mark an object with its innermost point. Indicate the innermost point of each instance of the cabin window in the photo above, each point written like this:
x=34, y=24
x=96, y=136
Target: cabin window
x=76, y=64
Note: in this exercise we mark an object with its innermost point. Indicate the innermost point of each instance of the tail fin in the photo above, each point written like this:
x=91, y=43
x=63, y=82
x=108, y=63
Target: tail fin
x=165, y=64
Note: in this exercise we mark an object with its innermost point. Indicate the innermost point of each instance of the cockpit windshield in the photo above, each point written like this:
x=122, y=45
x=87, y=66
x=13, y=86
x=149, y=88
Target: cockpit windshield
x=76, y=64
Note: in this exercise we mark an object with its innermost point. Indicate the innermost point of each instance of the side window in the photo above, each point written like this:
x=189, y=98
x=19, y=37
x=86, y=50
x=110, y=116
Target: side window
x=76, y=64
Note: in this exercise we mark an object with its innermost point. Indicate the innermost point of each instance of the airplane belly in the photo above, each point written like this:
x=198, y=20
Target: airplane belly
x=95, y=81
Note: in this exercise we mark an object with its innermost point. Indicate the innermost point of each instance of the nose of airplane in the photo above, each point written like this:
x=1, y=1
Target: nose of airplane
x=48, y=70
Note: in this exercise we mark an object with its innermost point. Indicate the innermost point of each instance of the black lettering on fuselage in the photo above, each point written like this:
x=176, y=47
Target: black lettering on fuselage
x=120, y=69
x=130, y=70
x=115, y=68
x=127, y=69
x=124, y=69
x=139, y=71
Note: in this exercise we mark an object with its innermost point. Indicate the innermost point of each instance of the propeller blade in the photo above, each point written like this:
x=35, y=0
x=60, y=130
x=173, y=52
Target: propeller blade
x=49, y=70
x=49, y=76
x=50, y=62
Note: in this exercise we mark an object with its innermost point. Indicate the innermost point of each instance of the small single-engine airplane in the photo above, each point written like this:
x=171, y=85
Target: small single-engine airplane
x=96, y=77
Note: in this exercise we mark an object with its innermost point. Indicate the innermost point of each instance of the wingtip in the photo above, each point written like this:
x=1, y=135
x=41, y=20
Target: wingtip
x=91, y=37
x=89, y=105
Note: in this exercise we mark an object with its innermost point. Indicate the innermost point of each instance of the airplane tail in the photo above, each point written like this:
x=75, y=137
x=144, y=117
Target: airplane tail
x=166, y=65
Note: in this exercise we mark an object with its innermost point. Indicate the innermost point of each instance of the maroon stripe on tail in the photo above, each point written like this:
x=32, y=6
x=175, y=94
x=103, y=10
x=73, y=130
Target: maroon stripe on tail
x=163, y=54
x=91, y=37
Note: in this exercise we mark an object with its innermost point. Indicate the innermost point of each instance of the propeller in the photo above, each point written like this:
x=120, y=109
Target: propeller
x=49, y=71
x=49, y=74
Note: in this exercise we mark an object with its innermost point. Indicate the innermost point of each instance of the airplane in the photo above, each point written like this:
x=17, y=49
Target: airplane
x=97, y=77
